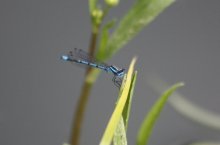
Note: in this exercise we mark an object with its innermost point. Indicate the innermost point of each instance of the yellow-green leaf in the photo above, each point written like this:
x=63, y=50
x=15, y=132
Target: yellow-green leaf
x=115, y=118
x=120, y=133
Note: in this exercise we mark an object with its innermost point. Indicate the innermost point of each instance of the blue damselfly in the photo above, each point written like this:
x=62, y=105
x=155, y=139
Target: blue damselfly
x=81, y=57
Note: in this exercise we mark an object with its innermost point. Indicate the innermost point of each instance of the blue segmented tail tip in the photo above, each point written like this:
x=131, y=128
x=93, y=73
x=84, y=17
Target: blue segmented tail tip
x=64, y=57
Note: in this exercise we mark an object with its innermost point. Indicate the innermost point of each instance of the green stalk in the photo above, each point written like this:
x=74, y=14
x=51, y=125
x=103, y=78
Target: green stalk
x=79, y=114
x=90, y=79
x=84, y=96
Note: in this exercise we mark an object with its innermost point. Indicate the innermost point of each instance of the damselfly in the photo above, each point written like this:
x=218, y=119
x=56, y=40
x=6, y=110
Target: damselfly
x=81, y=57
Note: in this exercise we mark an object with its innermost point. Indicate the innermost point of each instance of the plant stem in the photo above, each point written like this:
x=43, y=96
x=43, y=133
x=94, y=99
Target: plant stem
x=93, y=42
x=79, y=114
x=82, y=102
x=92, y=47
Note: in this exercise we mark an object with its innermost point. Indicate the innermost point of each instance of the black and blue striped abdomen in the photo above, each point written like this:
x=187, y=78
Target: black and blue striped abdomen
x=91, y=64
x=113, y=69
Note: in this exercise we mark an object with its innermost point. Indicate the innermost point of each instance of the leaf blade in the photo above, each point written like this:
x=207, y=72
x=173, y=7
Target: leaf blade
x=139, y=16
x=115, y=118
x=149, y=121
x=101, y=54
x=127, y=108
x=120, y=133
x=185, y=107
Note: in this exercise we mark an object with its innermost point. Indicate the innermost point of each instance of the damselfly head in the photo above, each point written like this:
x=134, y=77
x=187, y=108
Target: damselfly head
x=121, y=73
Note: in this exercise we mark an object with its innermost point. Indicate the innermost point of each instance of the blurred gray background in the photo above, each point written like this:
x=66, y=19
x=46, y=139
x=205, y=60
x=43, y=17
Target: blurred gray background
x=39, y=92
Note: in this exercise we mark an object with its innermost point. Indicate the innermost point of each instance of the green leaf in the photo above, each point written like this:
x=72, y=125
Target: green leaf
x=139, y=16
x=116, y=115
x=149, y=121
x=120, y=133
x=101, y=54
x=187, y=108
x=127, y=108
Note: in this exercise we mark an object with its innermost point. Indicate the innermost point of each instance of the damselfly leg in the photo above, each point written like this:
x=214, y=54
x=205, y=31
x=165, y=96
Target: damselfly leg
x=117, y=81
